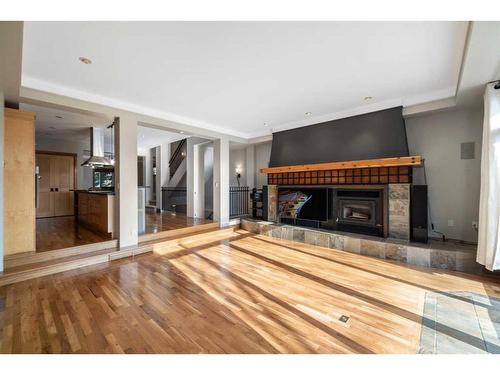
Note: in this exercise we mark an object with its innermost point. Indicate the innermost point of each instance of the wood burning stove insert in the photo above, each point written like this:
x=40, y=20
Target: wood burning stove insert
x=358, y=211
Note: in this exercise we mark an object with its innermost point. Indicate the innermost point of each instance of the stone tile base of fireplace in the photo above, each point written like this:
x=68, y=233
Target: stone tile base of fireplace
x=450, y=255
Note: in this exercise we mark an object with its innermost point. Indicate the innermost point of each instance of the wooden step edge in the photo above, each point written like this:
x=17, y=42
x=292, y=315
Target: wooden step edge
x=30, y=258
x=7, y=279
x=177, y=232
x=15, y=277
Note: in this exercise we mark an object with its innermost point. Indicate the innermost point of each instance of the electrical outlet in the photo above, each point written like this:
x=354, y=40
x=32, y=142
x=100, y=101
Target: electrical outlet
x=451, y=222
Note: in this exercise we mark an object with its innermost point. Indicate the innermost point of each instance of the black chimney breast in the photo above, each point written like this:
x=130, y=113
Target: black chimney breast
x=380, y=134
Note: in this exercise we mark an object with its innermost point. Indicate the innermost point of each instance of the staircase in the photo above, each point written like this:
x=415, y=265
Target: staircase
x=29, y=266
x=174, y=195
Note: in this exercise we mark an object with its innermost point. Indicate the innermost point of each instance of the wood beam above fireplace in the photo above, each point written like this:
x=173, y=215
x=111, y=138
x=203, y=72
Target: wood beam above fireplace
x=404, y=161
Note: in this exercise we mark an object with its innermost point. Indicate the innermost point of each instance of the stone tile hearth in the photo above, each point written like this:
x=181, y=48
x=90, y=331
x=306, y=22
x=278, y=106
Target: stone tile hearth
x=460, y=323
x=449, y=255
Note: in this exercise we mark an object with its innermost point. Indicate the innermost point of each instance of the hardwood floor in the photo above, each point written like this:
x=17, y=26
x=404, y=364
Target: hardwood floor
x=165, y=220
x=228, y=292
x=61, y=232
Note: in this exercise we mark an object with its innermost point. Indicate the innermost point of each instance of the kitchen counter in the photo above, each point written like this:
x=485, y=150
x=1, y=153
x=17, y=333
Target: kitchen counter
x=96, y=210
x=102, y=192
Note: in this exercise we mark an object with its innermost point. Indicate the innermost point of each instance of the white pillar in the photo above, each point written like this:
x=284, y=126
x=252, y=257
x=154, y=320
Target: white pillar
x=163, y=172
x=250, y=166
x=126, y=211
x=190, y=176
x=159, y=172
x=1, y=179
x=221, y=181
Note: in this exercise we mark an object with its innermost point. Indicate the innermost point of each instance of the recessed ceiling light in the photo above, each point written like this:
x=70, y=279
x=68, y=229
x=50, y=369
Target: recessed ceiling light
x=308, y=113
x=59, y=117
x=181, y=132
x=368, y=98
x=85, y=60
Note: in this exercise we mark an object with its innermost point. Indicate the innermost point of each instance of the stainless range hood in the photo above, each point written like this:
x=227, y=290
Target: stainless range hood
x=97, y=158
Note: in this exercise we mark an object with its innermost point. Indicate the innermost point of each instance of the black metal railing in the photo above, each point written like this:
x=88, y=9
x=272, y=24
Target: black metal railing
x=238, y=201
x=177, y=157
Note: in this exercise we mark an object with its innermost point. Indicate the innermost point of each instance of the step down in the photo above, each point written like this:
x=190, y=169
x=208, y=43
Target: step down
x=17, y=260
x=178, y=232
x=159, y=246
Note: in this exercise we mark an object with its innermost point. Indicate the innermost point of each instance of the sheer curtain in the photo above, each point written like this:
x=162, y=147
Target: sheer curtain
x=488, y=249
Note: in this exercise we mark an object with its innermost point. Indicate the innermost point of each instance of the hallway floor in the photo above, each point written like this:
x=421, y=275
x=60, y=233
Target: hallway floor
x=53, y=233
x=166, y=220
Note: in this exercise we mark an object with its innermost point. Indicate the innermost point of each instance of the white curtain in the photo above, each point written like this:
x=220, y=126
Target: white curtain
x=488, y=249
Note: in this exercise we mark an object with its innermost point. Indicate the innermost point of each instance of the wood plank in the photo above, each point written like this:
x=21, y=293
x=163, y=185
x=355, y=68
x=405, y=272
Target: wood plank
x=408, y=161
x=19, y=187
x=229, y=293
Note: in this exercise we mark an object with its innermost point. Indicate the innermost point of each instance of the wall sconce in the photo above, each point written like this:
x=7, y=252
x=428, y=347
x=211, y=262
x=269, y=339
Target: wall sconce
x=238, y=174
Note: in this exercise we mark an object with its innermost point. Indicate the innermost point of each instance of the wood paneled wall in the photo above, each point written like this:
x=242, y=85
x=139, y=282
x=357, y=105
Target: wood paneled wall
x=19, y=182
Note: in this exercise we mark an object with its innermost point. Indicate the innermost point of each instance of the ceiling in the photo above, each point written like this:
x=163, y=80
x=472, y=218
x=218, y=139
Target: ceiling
x=148, y=137
x=71, y=126
x=246, y=79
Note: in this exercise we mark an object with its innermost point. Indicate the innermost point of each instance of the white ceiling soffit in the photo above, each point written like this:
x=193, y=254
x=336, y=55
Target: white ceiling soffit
x=65, y=125
x=246, y=79
x=149, y=137
x=482, y=62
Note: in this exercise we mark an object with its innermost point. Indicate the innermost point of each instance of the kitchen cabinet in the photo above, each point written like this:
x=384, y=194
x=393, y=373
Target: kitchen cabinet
x=96, y=211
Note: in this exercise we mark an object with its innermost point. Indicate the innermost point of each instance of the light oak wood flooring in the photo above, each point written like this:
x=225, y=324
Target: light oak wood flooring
x=61, y=232
x=165, y=220
x=228, y=292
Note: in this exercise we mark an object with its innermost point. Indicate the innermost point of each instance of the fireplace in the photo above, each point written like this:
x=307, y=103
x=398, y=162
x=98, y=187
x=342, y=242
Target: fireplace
x=358, y=210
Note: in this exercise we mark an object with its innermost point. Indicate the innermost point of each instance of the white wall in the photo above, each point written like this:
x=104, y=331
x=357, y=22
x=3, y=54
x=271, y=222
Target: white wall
x=237, y=158
x=453, y=183
x=194, y=176
x=1, y=178
x=262, y=156
x=84, y=174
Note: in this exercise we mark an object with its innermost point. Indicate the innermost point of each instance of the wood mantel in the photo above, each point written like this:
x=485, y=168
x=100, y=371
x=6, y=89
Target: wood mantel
x=404, y=161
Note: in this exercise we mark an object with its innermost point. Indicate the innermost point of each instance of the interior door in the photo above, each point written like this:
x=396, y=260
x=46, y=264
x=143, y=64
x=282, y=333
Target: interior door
x=45, y=201
x=55, y=189
x=62, y=169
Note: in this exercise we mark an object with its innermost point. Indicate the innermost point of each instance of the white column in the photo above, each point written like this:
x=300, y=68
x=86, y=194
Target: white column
x=250, y=166
x=163, y=170
x=126, y=210
x=199, y=180
x=221, y=181
x=1, y=179
x=190, y=176
x=159, y=173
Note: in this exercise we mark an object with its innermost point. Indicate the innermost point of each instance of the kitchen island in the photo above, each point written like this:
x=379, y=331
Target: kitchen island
x=96, y=210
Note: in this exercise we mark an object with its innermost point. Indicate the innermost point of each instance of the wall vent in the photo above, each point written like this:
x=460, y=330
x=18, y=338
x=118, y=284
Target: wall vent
x=467, y=150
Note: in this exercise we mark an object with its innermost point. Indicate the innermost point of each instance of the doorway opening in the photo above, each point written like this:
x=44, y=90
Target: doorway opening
x=169, y=164
x=74, y=195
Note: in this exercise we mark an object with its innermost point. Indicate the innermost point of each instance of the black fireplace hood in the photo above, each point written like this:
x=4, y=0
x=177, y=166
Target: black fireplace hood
x=374, y=135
